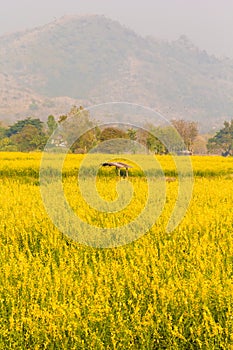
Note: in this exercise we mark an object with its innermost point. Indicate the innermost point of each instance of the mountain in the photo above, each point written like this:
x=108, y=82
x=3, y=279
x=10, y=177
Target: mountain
x=92, y=59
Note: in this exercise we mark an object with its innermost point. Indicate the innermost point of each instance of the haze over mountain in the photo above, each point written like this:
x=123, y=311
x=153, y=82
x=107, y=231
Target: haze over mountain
x=92, y=59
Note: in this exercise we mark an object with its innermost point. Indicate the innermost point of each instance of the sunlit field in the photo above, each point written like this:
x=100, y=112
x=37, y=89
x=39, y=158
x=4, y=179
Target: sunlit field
x=165, y=290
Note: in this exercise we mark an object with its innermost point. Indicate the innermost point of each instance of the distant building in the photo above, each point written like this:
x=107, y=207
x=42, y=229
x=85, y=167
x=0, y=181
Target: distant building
x=185, y=153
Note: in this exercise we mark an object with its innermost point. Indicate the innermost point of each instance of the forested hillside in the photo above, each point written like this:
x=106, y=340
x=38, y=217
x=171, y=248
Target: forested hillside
x=92, y=59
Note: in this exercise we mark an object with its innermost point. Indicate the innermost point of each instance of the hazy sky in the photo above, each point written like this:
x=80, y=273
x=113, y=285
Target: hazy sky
x=208, y=23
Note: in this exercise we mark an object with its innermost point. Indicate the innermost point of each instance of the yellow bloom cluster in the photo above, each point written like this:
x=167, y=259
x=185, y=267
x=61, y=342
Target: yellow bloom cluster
x=166, y=290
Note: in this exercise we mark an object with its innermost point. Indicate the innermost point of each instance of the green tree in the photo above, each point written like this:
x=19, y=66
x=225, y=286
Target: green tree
x=154, y=144
x=6, y=145
x=29, y=139
x=149, y=137
x=2, y=131
x=19, y=125
x=223, y=140
x=132, y=134
x=170, y=138
x=51, y=124
x=113, y=140
x=111, y=132
x=78, y=122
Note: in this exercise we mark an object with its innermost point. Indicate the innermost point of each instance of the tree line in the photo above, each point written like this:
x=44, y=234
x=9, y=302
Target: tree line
x=31, y=134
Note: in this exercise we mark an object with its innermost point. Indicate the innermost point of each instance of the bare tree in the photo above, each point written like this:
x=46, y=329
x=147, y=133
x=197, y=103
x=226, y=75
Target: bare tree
x=188, y=130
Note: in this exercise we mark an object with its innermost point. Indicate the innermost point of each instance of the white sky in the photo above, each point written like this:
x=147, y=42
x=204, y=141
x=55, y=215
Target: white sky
x=208, y=23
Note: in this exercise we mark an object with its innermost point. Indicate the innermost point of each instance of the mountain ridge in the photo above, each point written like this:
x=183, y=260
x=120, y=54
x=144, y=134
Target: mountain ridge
x=92, y=59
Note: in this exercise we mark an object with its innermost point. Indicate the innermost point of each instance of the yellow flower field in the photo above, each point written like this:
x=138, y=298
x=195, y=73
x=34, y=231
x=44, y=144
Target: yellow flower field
x=165, y=290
